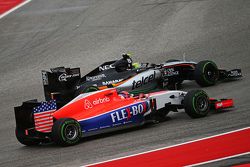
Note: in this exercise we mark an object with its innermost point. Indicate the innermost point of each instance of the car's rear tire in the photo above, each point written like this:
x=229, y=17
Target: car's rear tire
x=196, y=103
x=66, y=132
x=206, y=73
x=24, y=140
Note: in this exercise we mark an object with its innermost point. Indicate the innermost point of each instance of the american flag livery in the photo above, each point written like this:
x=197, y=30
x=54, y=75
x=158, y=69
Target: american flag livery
x=43, y=116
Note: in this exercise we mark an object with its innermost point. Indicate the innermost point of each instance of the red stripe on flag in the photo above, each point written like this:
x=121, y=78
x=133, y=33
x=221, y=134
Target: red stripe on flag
x=189, y=153
x=6, y=5
x=44, y=121
x=44, y=129
x=45, y=124
x=44, y=113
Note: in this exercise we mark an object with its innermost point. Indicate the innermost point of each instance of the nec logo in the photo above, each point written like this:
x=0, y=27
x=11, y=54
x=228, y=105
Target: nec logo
x=106, y=67
x=89, y=105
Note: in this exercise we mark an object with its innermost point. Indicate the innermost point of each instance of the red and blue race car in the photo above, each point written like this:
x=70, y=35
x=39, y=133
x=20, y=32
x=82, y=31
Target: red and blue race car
x=104, y=111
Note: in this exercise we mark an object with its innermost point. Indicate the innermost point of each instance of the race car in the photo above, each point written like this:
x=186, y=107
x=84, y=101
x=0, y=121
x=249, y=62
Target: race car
x=105, y=111
x=67, y=83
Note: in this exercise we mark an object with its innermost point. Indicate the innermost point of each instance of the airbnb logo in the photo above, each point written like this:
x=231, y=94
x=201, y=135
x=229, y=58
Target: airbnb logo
x=87, y=104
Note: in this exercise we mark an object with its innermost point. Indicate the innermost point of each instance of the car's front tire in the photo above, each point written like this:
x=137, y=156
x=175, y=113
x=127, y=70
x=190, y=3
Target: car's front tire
x=196, y=103
x=66, y=132
x=206, y=73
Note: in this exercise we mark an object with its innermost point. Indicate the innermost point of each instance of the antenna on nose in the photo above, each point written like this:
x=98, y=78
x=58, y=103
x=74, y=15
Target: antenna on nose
x=184, y=56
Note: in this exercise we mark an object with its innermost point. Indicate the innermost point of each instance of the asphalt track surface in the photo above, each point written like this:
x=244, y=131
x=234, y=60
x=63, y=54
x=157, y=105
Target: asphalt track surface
x=85, y=33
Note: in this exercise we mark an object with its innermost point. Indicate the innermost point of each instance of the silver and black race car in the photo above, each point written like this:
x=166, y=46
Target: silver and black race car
x=67, y=83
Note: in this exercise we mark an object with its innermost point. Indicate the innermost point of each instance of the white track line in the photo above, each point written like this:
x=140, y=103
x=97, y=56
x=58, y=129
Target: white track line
x=15, y=8
x=173, y=146
x=220, y=159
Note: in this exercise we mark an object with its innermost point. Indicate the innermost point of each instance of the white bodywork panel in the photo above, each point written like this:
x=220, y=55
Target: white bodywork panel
x=167, y=97
x=178, y=62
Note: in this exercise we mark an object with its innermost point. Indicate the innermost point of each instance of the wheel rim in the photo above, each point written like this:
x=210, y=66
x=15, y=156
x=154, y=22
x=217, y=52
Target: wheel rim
x=202, y=104
x=71, y=132
x=211, y=73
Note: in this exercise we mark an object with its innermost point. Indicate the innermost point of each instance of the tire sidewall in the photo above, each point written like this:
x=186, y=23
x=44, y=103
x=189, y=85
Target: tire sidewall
x=200, y=94
x=210, y=64
x=201, y=73
x=59, y=131
x=66, y=124
x=190, y=104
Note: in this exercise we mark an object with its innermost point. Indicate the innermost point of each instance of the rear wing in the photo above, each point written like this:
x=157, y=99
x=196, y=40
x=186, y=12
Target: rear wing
x=60, y=82
x=34, y=117
x=24, y=114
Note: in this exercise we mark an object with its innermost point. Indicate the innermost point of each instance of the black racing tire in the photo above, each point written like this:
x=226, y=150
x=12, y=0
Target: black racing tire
x=206, y=73
x=196, y=103
x=24, y=139
x=66, y=132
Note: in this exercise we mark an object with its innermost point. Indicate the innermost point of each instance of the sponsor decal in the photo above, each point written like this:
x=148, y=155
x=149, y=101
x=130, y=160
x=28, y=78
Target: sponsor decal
x=234, y=73
x=45, y=78
x=219, y=104
x=95, y=78
x=170, y=72
x=127, y=113
x=77, y=87
x=111, y=82
x=106, y=67
x=88, y=104
x=63, y=77
x=143, y=81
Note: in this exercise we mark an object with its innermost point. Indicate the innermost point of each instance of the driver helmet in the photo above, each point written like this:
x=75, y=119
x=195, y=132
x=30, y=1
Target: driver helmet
x=126, y=56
